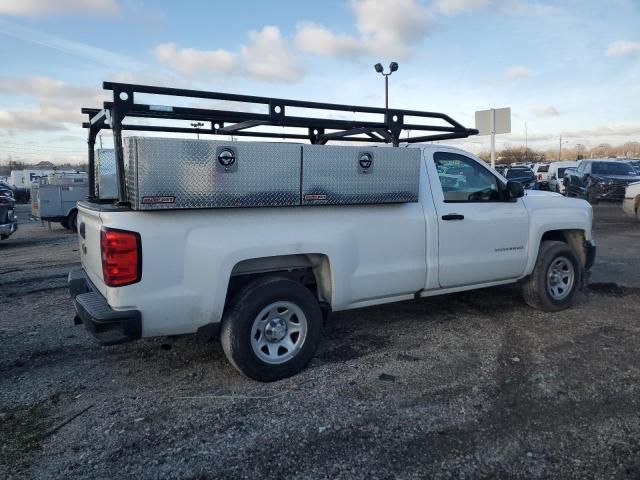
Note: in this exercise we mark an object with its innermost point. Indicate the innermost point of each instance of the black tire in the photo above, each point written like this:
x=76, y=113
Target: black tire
x=591, y=196
x=567, y=190
x=534, y=287
x=72, y=220
x=237, y=323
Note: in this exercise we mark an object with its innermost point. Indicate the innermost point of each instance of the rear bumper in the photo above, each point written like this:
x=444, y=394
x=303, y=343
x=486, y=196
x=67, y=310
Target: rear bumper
x=107, y=325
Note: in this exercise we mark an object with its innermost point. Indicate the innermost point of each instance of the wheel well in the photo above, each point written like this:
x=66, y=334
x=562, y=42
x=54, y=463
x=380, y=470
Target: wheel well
x=312, y=270
x=575, y=238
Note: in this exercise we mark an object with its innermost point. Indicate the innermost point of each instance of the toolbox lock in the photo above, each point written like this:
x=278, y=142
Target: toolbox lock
x=365, y=161
x=226, y=159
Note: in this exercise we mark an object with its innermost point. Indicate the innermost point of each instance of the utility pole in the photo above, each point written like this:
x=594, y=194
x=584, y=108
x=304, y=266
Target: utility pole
x=493, y=138
x=560, y=151
x=526, y=142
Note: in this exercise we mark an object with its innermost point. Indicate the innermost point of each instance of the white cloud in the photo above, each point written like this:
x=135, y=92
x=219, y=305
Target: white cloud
x=56, y=103
x=190, y=60
x=623, y=49
x=517, y=72
x=316, y=39
x=45, y=117
x=452, y=7
x=549, y=111
x=268, y=56
x=48, y=89
x=385, y=28
x=605, y=131
x=34, y=8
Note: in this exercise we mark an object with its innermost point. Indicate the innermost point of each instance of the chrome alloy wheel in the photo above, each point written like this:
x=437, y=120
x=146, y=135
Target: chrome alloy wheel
x=278, y=332
x=560, y=278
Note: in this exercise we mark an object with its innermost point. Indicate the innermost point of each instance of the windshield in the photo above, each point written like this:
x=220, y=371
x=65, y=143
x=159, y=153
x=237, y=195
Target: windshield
x=543, y=168
x=519, y=172
x=561, y=171
x=612, y=168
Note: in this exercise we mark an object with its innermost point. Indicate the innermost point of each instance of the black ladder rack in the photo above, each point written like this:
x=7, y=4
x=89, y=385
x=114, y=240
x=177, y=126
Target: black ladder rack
x=243, y=123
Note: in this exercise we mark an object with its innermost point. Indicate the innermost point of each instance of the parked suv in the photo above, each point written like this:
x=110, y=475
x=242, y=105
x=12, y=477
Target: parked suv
x=597, y=180
x=522, y=175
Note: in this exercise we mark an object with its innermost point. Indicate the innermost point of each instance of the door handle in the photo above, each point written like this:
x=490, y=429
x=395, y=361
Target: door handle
x=453, y=216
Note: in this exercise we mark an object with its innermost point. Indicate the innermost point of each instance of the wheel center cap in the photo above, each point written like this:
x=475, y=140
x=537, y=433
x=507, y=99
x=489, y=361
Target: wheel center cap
x=275, y=330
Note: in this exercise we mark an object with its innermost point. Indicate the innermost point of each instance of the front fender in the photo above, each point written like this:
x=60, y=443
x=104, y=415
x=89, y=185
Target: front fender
x=557, y=219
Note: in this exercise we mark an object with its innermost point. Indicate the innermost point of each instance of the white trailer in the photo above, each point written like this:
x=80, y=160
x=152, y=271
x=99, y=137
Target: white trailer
x=24, y=178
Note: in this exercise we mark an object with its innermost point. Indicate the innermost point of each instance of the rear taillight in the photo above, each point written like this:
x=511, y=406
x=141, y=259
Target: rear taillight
x=121, y=257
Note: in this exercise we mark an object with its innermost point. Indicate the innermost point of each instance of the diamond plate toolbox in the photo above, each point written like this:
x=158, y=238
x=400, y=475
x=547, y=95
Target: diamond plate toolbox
x=105, y=174
x=166, y=173
x=334, y=175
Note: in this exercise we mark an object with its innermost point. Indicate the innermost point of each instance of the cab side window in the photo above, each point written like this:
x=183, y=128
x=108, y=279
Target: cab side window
x=463, y=180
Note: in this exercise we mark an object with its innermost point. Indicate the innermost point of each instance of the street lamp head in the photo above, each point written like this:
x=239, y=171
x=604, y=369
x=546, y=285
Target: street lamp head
x=378, y=67
x=393, y=66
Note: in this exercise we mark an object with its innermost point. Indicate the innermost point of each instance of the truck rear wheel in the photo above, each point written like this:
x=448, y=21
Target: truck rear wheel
x=553, y=284
x=272, y=329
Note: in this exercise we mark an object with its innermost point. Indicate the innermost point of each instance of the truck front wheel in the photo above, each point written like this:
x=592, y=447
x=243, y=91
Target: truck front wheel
x=553, y=284
x=272, y=329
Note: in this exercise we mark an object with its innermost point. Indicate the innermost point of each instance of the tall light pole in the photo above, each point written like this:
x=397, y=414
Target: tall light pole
x=197, y=125
x=393, y=66
x=560, y=151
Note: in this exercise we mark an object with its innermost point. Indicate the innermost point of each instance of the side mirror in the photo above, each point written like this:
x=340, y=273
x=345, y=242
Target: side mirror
x=553, y=177
x=515, y=189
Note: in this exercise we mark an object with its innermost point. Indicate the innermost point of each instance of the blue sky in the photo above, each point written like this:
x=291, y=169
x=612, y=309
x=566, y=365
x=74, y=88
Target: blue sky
x=569, y=68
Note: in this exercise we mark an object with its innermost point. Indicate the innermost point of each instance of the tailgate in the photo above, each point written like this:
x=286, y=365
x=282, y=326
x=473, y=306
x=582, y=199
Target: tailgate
x=89, y=226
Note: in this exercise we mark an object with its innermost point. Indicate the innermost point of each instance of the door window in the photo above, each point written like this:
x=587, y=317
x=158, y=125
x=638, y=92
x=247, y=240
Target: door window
x=463, y=180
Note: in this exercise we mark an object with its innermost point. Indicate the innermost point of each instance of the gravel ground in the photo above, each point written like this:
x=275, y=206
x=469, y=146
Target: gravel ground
x=470, y=385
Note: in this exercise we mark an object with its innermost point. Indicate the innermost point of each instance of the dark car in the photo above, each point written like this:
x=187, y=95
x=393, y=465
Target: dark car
x=523, y=175
x=8, y=219
x=20, y=195
x=597, y=180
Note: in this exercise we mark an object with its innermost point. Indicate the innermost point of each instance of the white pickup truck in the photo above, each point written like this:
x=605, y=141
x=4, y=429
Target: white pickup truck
x=268, y=277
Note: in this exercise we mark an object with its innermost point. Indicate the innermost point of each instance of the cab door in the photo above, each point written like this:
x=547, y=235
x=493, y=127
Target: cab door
x=482, y=235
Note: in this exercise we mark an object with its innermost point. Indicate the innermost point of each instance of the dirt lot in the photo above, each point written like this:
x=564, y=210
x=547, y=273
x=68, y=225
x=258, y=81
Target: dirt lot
x=463, y=386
